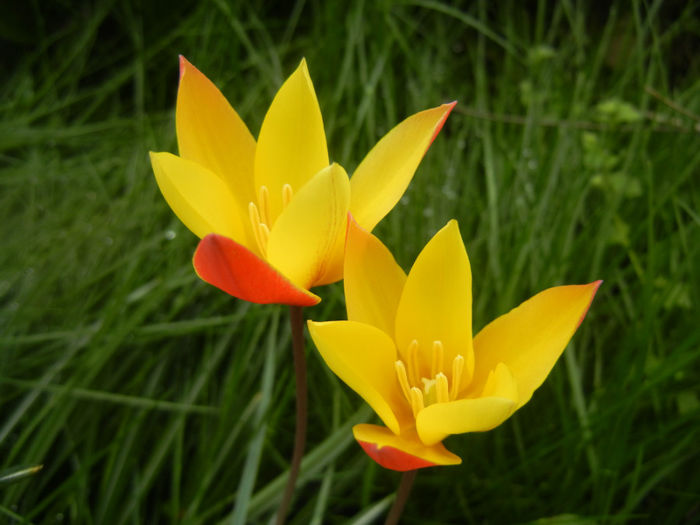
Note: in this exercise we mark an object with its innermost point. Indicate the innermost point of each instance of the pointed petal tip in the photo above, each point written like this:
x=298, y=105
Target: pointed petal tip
x=594, y=289
x=448, y=107
x=183, y=65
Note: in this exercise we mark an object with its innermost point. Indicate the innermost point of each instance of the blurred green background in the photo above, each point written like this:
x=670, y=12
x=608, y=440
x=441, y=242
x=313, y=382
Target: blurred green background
x=151, y=397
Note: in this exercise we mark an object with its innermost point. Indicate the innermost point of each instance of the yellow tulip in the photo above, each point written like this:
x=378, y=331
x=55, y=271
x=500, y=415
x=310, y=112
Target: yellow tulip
x=407, y=348
x=272, y=215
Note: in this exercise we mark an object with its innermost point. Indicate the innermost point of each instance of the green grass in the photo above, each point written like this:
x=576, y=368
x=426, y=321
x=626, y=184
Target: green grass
x=150, y=397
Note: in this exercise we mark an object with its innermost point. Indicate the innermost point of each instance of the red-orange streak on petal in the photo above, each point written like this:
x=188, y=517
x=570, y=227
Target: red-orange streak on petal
x=233, y=268
x=440, y=124
x=393, y=458
x=583, y=315
x=183, y=62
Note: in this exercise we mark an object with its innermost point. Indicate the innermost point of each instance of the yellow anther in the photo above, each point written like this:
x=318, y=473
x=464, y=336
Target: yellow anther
x=264, y=202
x=441, y=390
x=403, y=379
x=457, y=370
x=416, y=401
x=287, y=195
x=438, y=357
x=413, y=363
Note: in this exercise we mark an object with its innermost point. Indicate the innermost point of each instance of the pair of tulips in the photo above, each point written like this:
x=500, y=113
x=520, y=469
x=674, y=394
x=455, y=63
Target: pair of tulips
x=275, y=219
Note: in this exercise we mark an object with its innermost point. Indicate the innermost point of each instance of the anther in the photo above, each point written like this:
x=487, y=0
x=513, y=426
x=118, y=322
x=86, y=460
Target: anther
x=441, y=392
x=457, y=370
x=264, y=201
x=287, y=194
x=416, y=401
x=403, y=379
x=438, y=357
x=413, y=363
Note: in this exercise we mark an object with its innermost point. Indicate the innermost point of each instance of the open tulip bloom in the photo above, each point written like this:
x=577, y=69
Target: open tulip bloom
x=407, y=348
x=272, y=215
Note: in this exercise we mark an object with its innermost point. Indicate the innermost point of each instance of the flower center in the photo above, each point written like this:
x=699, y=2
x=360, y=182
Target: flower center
x=260, y=215
x=421, y=391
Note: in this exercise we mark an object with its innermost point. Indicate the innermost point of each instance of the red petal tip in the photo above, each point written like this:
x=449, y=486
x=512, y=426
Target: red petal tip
x=393, y=458
x=450, y=106
x=183, y=62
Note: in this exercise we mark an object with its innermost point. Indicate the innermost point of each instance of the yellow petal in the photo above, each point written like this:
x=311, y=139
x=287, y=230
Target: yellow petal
x=373, y=280
x=199, y=198
x=501, y=383
x=436, y=422
x=292, y=143
x=436, y=303
x=383, y=176
x=310, y=228
x=363, y=357
x=210, y=133
x=403, y=452
x=530, y=338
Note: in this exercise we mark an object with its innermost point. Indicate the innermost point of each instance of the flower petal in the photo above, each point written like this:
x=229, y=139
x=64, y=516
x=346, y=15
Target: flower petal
x=403, y=452
x=383, y=176
x=210, y=133
x=530, y=338
x=436, y=303
x=237, y=271
x=373, y=280
x=436, y=422
x=311, y=228
x=198, y=197
x=292, y=143
x=363, y=358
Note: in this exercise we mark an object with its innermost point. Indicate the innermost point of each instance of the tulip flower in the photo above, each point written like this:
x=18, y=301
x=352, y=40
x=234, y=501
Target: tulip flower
x=272, y=215
x=407, y=348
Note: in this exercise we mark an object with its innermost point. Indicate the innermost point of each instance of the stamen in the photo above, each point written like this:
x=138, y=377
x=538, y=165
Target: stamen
x=416, y=401
x=264, y=201
x=438, y=357
x=403, y=379
x=287, y=195
x=255, y=223
x=441, y=393
x=264, y=235
x=413, y=363
x=457, y=370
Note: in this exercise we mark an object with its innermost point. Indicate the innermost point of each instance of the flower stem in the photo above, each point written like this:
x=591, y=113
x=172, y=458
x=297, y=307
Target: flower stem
x=296, y=319
x=401, y=497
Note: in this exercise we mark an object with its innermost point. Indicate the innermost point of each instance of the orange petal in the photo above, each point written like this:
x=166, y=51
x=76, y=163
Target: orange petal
x=530, y=338
x=233, y=268
x=210, y=132
x=403, y=452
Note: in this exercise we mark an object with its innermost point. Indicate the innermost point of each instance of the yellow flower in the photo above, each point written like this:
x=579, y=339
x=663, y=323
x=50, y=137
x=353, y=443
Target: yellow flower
x=407, y=348
x=272, y=215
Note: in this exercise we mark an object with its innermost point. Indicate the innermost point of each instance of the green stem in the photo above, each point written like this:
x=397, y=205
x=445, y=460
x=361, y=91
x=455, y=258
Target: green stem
x=401, y=497
x=296, y=319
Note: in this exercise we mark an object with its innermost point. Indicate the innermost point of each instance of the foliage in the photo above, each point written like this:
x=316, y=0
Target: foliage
x=149, y=396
